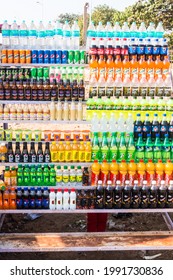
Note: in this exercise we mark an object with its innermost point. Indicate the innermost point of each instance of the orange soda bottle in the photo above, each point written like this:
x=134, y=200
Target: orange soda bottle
x=150, y=171
x=132, y=168
x=61, y=152
x=75, y=151
x=123, y=171
x=114, y=172
x=93, y=67
x=134, y=67
x=13, y=177
x=168, y=172
x=104, y=174
x=141, y=172
x=7, y=176
x=101, y=66
x=158, y=68
x=95, y=173
x=142, y=67
x=110, y=67
x=160, y=170
x=6, y=202
x=126, y=66
x=166, y=67
x=118, y=66
x=150, y=67
x=67, y=152
x=54, y=152
x=12, y=198
x=88, y=152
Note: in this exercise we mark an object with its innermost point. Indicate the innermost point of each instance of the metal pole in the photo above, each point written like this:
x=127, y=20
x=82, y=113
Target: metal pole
x=85, y=17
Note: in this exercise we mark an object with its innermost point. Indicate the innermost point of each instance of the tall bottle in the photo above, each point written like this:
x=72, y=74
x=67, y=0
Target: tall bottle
x=32, y=154
x=17, y=153
x=127, y=195
x=40, y=156
x=25, y=155
x=14, y=35
x=23, y=35
x=5, y=35
x=75, y=39
x=32, y=36
x=10, y=154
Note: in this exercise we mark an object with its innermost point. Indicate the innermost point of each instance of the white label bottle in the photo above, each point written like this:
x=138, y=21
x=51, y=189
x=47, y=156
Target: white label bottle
x=59, y=199
x=65, y=199
x=52, y=199
x=72, y=199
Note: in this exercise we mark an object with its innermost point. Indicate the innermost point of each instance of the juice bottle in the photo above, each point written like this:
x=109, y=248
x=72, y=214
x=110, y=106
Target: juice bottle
x=81, y=152
x=6, y=202
x=68, y=152
x=3, y=152
x=2, y=185
x=160, y=170
x=150, y=171
x=150, y=67
x=126, y=65
x=75, y=151
x=95, y=173
x=141, y=172
x=110, y=67
x=88, y=152
x=123, y=171
x=93, y=67
x=52, y=110
x=142, y=65
x=61, y=151
x=168, y=172
x=54, y=152
x=132, y=168
x=101, y=66
x=118, y=66
x=12, y=198
x=13, y=177
x=7, y=176
x=104, y=175
x=158, y=68
x=114, y=172
x=134, y=67
x=166, y=67
x=73, y=110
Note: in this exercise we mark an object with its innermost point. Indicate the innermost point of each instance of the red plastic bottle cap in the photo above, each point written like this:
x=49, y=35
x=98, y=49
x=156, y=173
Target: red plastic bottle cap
x=59, y=190
x=150, y=160
x=52, y=190
x=159, y=160
x=73, y=190
x=132, y=160
x=123, y=160
x=65, y=190
x=104, y=160
x=95, y=160
x=168, y=160
x=114, y=160
x=141, y=160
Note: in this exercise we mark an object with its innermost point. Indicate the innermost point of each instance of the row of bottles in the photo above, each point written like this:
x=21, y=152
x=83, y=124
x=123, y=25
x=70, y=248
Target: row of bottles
x=54, y=111
x=42, y=90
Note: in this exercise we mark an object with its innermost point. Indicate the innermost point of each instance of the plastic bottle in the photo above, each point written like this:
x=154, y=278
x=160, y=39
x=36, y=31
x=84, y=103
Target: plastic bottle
x=66, y=36
x=7, y=176
x=14, y=35
x=162, y=195
x=104, y=147
x=160, y=170
x=1, y=201
x=155, y=127
x=49, y=36
x=114, y=172
x=61, y=151
x=150, y=171
x=72, y=176
x=72, y=199
x=144, y=195
x=123, y=171
x=46, y=175
x=148, y=154
x=79, y=112
x=38, y=200
x=95, y=123
x=95, y=173
x=5, y=35
x=79, y=176
x=127, y=195
x=23, y=35
x=25, y=198
x=45, y=198
x=153, y=196
x=130, y=153
x=58, y=199
x=52, y=110
x=41, y=34
x=132, y=168
x=54, y=152
x=120, y=123
x=168, y=172
x=109, y=195
x=68, y=152
x=13, y=177
x=88, y=149
x=65, y=175
x=75, y=39
x=58, y=35
x=133, y=30
x=139, y=149
x=122, y=150
x=52, y=202
x=65, y=199
x=32, y=36
x=166, y=149
x=104, y=172
x=91, y=33
x=113, y=151
x=136, y=195
x=170, y=195
x=100, y=33
x=159, y=30
x=6, y=199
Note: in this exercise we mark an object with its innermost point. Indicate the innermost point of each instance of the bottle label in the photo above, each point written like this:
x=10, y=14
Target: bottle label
x=34, y=94
x=79, y=178
x=68, y=155
x=10, y=158
x=75, y=155
x=14, y=94
x=72, y=178
x=61, y=156
x=135, y=91
x=94, y=179
x=40, y=158
x=47, y=158
x=53, y=93
x=101, y=91
x=118, y=91
x=109, y=91
x=93, y=91
x=160, y=91
x=81, y=93
x=65, y=178
x=104, y=177
x=7, y=94
x=25, y=158
x=28, y=94
x=81, y=156
x=17, y=158
x=114, y=178
x=167, y=92
x=61, y=94
x=33, y=158
x=87, y=156
x=127, y=91
x=59, y=178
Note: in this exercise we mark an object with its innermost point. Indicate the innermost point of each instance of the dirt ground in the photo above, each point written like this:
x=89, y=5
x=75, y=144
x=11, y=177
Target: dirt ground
x=77, y=223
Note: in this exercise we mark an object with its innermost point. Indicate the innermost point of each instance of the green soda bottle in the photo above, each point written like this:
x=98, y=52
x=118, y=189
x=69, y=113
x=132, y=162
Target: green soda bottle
x=166, y=149
x=157, y=149
x=33, y=176
x=131, y=148
x=95, y=148
x=148, y=149
x=113, y=148
x=104, y=147
x=52, y=176
x=139, y=149
x=20, y=175
x=172, y=150
x=39, y=175
x=122, y=151
x=46, y=176
x=26, y=176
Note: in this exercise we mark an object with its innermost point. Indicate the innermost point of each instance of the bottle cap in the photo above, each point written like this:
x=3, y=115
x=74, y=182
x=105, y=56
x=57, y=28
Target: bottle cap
x=127, y=182
x=52, y=190
x=153, y=182
x=65, y=190
x=73, y=190
x=99, y=182
x=109, y=182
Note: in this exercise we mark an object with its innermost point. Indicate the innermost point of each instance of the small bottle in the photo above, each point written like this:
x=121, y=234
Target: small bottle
x=59, y=175
x=99, y=196
x=136, y=197
x=109, y=195
x=65, y=111
x=47, y=155
x=73, y=110
x=117, y=195
x=40, y=156
x=32, y=154
x=153, y=197
x=79, y=176
x=72, y=176
x=52, y=199
x=72, y=199
x=162, y=195
x=25, y=155
x=65, y=175
x=79, y=110
x=59, y=199
x=59, y=111
x=85, y=176
x=17, y=153
x=127, y=195
x=65, y=199
x=52, y=110
x=144, y=195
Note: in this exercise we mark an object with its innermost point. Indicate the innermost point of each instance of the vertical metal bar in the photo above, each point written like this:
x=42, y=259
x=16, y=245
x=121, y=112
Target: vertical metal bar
x=2, y=217
x=168, y=220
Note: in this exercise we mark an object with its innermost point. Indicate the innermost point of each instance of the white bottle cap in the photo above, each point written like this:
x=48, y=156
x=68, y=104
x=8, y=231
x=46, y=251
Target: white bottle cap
x=99, y=182
x=136, y=182
x=109, y=182
x=153, y=182
x=127, y=182
x=118, y=182
x=145, y=182
x=162, y=182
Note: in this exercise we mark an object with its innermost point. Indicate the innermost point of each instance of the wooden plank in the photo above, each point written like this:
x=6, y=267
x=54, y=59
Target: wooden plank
x=104, y=241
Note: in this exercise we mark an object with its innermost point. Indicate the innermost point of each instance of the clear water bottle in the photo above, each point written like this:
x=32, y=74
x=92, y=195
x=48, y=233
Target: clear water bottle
x=91, y=33
x=5, y=35
x=159, y=30
x=32, y=35
x=133, y=30
x=58, y=35
x=100, y=33
x=66, y=36
x=41, y=36
x=23, y=35
x=151, y=31
x=95, y=123
x=49, y=38
x=112, y=123
x=14, y=35
x=117, y=33
x=142, y=31
x=75, y=39
x=125, y=30
x=129, y=124
x=120, y=123
x=103, y=123
x=109, y=30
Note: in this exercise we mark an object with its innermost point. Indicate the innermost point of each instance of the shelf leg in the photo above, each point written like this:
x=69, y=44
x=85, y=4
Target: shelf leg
x=2, y=217
x=168, y=220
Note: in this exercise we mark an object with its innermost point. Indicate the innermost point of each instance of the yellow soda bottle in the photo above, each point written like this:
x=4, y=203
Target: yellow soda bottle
x=61, y=151
x=54, y=152
x=75, y=151
x=88, y=152
x=82, y=152
x=68, y=152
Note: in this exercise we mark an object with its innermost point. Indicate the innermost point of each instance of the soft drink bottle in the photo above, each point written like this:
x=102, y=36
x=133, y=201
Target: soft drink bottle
x=141, y=172
x=25, y=198
x=160, y=171
x=45, y=198
x=46, y=176
x=39, y=176
x=163, y=127
x=150, y=171
x=132, y=168
x=33, y=178
x=19, y=198
x=157, y=149
x=52, y=175
x=131, y=148
x=166, y=149
x=32, y=198
x=151, y=31
x=12, y=198
x=1, y=201
x=158, y=67
x=100, y=201
x=95, y=173
x=52, y=202
x=170, y=130
x=123, y=171
x=113, y=148
x=133, y=30
x=148, y=148
x=38, y=201
x=159, y=30
x=170, y=195
x=7, y=175
x=146, y=127
x=65, y=175
x=104, y=174
x=95, y=148
x=117, y=30
x=166, y=68
x=100, y=33
x=109, y=195
x=136, y=195
x=117, y=195
x=139, y=149
x=144, y=195
x=58, y=200
x=168, y=172
x=6, y=199
x=118, y=66
x=155, y=127
x=127, y=195
x=114, y=172
x=138, y=127
x=122, y=150
x=72, y=176
x=150, y=67
x=88, y=152
x=104, y=147
x=153, y=197
x=162, y=195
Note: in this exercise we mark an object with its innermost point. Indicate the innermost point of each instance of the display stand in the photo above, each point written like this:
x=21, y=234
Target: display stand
x=102, y=241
